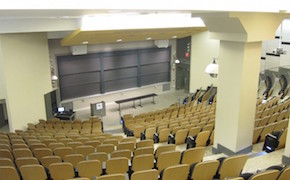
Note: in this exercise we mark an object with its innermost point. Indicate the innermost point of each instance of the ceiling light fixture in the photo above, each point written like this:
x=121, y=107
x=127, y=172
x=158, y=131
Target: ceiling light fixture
x=119, y=21
x=85, y=42
x=174, y=37
x=149, y=38
x=119, y=40
x=212, y=69
x=176, y=61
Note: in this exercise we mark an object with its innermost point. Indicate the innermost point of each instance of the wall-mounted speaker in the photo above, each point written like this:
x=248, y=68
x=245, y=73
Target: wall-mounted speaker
x=79, y=50
x=161, y=43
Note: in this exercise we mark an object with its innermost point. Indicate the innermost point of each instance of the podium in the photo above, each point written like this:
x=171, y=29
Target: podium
x=98, y=109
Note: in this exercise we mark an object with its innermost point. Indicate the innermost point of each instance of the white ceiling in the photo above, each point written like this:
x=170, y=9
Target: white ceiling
x=60, y=17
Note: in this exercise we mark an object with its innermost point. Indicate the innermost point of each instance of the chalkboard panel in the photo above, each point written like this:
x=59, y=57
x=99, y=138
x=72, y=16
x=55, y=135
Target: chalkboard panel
x=96, y=73
x=80, y=90
x=78, y=79
x=124, y=61
x=120, y=84
x=155, y=78
x=78, y=64
x=120, y=73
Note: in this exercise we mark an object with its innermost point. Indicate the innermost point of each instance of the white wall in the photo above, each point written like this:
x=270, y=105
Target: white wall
x=2, y=77
x=25, y=62
x=284, y=59
x=203, y=50
x=273, y=63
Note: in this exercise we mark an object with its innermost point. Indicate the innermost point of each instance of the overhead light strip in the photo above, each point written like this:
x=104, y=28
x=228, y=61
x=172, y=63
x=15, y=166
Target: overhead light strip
x=139, y=21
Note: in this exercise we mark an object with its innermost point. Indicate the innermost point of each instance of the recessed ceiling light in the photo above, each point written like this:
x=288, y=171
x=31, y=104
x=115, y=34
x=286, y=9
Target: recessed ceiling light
x=174, y=36
x=119, y=40
x=85, y=42
x=114, y=11
x=149, y=38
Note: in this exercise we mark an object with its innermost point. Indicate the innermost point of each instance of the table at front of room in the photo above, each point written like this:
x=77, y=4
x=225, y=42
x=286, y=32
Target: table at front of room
x=67, y=115
x=136, y=98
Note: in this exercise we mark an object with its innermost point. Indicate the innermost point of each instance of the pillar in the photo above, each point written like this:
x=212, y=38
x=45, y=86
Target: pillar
x=239, y=66
x=240, y=36
x=25, y=76
x=286, y=156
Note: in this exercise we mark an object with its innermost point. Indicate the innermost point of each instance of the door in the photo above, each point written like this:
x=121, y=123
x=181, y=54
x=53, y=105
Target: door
x=182, y=76
x=3, y=114
x=179, y=77
x=186, y=80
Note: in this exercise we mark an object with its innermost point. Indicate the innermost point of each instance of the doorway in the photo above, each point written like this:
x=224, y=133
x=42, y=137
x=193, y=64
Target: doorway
x=3, y=116
x=182, y=76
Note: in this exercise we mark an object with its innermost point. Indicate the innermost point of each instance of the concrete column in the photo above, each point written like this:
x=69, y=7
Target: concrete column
x=240, y=36
x=286, y=156
x=239, y=65
x=25, y=76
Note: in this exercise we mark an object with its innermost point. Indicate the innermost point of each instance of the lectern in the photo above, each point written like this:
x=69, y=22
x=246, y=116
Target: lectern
x=98, y=109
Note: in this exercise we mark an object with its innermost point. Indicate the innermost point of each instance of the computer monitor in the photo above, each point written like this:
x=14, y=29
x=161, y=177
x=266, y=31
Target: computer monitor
x=60, y=109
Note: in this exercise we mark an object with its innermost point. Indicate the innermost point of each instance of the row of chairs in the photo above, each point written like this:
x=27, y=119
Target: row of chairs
x=271, y=107
x=174, y=110
x=130, y=124
x=148, y=130
x=171, y=113
x=165, y=162
x=165, y=128
x=139, y=162
x=87, y=170
x=273, y=172
x=91, y=120
x=272, y=104
x=40, y=149
x=276, y=117
x=202, y=170
x=188, y=113
x=271, y=116
x=261, y=132
x=88, y=126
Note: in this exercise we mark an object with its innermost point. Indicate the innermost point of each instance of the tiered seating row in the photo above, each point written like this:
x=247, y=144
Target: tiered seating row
x=179, y=121
x=273, y=172
x=271, y=117
x=55, y=125
x=55, y=160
